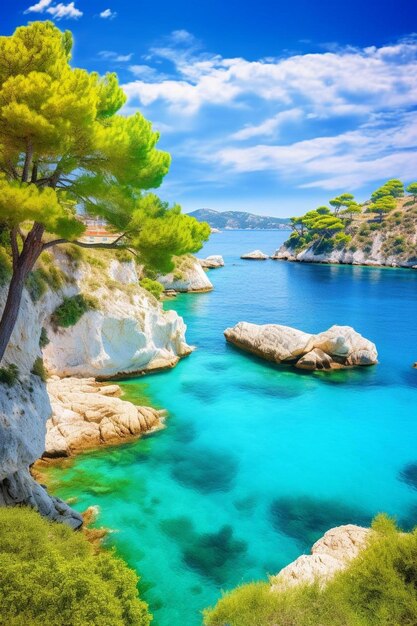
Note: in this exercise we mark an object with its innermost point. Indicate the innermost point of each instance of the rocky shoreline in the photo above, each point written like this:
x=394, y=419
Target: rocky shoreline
x=341, y=257
x=88, y=415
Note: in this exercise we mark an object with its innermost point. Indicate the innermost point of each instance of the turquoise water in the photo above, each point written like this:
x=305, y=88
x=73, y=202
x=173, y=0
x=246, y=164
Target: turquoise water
x=258, y=461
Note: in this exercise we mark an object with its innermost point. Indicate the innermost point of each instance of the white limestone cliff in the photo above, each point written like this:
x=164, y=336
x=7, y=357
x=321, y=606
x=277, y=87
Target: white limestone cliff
x=24, y=410
x=128, y=333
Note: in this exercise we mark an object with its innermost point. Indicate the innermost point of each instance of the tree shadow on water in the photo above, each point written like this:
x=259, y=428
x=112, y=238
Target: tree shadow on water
x=214, y=555
x=306, y=519
x=204, y=470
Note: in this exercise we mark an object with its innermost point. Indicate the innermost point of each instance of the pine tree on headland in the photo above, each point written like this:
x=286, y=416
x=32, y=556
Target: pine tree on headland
x=64, y=148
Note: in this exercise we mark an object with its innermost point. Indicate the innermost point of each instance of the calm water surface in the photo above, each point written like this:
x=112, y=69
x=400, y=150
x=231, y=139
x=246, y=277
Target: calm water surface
x=258, y=461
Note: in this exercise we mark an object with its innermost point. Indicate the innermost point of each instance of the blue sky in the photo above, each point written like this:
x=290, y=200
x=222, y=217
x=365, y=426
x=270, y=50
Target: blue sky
x=265, y=106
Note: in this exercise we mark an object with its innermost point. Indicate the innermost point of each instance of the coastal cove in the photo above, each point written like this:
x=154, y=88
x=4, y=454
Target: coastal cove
x=257, y=461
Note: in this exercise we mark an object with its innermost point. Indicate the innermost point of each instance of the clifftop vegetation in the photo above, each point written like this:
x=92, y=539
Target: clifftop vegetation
x=378, y=588
x=386, y=225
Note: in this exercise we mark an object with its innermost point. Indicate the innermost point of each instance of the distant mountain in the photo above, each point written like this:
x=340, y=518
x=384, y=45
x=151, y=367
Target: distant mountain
x=240, y=220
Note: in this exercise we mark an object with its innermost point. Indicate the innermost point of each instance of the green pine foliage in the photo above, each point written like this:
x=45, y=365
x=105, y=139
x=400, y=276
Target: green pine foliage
x=378, y=588
x=51, y=575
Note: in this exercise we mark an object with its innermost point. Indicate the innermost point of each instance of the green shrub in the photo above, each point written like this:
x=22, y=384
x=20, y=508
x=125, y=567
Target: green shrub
x=44, y=276
x=5, y=267
x=51, y=575
x=43, y=339
x=152, y=286
x=36, y=285
x=72, y=309
x=74, y=253
x=39, y=369
x=123, y=256
x=378, y=588
x=9, y=374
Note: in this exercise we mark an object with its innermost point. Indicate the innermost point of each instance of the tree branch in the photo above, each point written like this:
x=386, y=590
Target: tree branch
x=84, y=244
x=28, y=162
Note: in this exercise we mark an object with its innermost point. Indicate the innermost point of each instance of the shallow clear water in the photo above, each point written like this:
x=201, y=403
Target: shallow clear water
x=258, y=461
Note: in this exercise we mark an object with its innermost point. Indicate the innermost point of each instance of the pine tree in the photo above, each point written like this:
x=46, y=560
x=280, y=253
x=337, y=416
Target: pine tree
x=64, y=149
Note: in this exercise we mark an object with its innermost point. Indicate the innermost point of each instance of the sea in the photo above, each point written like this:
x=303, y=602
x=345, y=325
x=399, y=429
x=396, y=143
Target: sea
x=257, y=460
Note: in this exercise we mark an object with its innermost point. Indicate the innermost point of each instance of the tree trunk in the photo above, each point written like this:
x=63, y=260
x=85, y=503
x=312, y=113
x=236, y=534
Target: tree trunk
x=22, y=265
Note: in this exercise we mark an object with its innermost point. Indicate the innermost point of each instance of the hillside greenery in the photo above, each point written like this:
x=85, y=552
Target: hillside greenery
x=50, y=574
x=378, y=588
x=350, y=226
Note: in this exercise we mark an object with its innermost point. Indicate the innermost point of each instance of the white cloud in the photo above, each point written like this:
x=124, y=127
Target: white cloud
x=268, y=127
x=347, y=160
x=39, y=7
x=115, y=56
x=348, y=114
x=182, y=36
x=350, y=81
x=58, y=11
x=144, y=71
x=61, y=11
x=108, y=14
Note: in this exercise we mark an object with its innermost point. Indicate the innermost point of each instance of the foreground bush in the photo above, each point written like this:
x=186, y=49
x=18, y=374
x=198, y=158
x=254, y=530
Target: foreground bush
x=49, y=574
x=379, y=588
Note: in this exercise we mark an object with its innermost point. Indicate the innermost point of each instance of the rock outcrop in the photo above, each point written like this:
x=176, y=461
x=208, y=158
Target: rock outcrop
x=340, y=346
x=87, y=414
x=24, y=409
x=188, y=276
x=329, y=555
x=255, y=255
x=128, y=333
x=212, y=262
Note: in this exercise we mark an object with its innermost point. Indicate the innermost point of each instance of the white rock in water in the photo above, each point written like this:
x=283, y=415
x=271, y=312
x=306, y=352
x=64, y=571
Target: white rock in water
x=271, y=341
x=87, y=414
x=255, y=255
x=212, y=262
x=340, y=346
x=330, y=554
x=189, y=276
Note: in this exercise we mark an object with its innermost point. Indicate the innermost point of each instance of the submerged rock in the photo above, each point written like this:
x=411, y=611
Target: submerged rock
x=329, y=555
x=86, y=414
x=340, y=346
x=212, y=262
x=255, y=255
